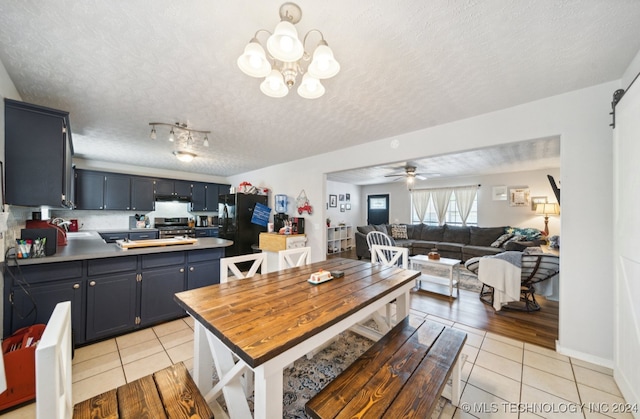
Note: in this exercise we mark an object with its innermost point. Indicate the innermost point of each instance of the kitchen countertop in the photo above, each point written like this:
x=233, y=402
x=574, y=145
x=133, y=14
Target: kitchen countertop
x=89, y=245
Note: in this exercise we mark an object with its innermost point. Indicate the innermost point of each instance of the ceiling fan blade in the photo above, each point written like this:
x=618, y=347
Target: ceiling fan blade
x=420, y=177
x=399, y=175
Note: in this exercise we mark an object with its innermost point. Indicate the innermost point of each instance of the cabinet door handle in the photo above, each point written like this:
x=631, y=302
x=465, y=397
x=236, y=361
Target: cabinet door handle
x=76, y=286
x=192, y=269
x=92, y=283
x=181, y=270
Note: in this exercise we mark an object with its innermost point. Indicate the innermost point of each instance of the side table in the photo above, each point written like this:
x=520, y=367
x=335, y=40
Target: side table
x=451, y=265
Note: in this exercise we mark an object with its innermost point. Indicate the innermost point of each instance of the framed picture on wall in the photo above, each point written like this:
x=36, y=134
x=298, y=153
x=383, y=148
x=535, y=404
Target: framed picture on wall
x=535, y=200
x=519, y=197
x=333, y=200
x=341, y=207
x=499, y=193
x=341, y=197
x=348, y=197
x=348, y=206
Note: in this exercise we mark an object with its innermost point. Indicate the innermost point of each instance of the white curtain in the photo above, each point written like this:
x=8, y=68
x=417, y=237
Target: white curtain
x=464, y=201
x=441, y=199
x=420, y=201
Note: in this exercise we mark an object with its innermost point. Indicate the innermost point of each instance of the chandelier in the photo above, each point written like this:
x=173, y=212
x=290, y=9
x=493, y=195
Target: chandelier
x=287, y=58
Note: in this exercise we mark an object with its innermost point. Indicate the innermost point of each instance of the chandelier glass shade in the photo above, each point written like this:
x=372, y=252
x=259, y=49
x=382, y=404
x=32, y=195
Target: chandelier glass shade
x=184, y=156
x=285, y=58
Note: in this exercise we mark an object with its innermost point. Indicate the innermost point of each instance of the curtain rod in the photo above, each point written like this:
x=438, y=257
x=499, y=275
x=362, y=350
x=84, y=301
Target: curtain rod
x=445, y=187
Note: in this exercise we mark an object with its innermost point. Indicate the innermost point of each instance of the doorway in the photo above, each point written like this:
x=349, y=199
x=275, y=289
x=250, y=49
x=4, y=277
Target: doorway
x=378, y=209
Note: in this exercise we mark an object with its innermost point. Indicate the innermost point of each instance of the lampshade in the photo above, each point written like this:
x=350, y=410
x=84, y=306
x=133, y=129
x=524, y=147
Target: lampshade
x=323, y=65
x=253, y=62
x=284, y=44
x=273, y=85
x=547, y=209
x=310, y=88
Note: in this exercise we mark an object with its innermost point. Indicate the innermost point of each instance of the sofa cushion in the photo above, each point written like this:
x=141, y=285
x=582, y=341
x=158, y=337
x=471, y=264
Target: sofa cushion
x=456, y=234
x=449, y=246
x=382, y=227
x=470, y=251
x=414, y=231
x=432, y=233
x=365, y=229
x=399, y=231
x=424, y=244
x=501, y=240
x=484, y=236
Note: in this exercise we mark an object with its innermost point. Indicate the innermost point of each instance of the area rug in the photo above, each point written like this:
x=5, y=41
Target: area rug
x=306, y=377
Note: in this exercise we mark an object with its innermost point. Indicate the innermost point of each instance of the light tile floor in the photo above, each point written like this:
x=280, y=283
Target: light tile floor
x=503, y=378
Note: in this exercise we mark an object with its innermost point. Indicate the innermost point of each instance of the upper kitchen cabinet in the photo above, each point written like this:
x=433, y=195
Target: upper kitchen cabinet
x=38, y=153
x=205, y=196
x=170, y=189
x=89, y=190
x=142, y=194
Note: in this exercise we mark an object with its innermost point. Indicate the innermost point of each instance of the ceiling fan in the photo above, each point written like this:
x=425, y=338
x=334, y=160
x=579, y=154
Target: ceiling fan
x=410, y=174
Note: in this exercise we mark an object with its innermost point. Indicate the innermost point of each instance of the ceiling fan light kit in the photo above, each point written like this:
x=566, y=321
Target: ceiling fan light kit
x=286, y=58
x=184, y=156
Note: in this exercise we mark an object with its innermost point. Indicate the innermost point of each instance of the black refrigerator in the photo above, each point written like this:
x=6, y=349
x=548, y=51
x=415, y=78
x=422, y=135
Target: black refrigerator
x=234, y=222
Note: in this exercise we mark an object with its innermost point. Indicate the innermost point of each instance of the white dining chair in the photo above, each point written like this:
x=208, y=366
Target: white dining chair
x=390, y=255
x=259, y=261
x=379, y=238
x=291, y=258
x=53, y=366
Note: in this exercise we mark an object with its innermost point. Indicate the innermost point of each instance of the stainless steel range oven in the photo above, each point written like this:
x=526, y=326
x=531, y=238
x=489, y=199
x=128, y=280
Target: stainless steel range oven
x=174, y=227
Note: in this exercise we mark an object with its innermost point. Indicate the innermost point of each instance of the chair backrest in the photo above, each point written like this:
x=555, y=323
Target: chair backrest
x=378, y=237
x=390, y=255
x=539, y=267
x=231, y=264
x=291, y=258
x=53, y=366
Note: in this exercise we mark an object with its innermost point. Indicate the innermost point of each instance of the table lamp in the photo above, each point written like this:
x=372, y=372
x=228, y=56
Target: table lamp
x=547, y=210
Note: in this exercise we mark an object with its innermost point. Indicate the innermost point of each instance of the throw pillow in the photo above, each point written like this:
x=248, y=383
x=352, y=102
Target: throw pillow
x=399, y=231
x=500, y=240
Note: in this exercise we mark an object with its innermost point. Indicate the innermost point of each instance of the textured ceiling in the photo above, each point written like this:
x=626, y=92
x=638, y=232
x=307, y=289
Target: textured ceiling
x=117, y=65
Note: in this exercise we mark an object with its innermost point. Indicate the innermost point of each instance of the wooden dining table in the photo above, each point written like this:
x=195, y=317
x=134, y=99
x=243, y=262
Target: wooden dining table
x=264, y=323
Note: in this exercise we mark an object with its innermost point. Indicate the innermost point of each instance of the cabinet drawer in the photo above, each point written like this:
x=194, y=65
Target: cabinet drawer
x=162, y=259
x=204, y=255
x=112, y=237
x=143, y=235
x=112, y=265
x=48, y=272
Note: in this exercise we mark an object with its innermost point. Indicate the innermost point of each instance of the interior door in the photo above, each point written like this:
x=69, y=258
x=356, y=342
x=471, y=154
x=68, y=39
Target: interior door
x=626, y=252
x=378, y=209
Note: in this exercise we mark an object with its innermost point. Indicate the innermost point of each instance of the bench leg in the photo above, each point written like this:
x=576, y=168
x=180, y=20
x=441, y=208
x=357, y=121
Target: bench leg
x=455, y=382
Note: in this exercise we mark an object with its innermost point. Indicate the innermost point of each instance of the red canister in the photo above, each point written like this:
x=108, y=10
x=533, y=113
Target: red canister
x=73, y=226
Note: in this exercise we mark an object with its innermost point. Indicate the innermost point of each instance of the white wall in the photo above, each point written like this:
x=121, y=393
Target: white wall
x=349, y=217
x=581, y=120
x=490, y=213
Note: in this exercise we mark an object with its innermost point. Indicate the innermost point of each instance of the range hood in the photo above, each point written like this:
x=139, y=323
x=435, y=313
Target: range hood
x=173, y=198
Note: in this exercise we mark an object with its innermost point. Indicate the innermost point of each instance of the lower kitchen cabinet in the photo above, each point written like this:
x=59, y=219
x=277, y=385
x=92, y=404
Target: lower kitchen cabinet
x=111, y=305
x=203, y=268
x=158, y=287
x=34, y=305
x=109, y=296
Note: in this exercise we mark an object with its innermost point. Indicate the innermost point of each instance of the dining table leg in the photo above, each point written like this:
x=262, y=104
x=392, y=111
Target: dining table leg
x=268, y=393
x=202, y=359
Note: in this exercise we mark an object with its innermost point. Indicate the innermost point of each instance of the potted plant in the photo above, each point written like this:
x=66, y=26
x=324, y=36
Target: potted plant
x=328, y=222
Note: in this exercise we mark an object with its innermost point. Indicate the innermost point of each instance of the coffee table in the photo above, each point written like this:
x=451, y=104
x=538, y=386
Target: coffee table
x=451, y=265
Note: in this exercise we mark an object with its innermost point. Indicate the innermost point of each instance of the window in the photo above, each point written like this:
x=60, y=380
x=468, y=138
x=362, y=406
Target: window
x=452, y=216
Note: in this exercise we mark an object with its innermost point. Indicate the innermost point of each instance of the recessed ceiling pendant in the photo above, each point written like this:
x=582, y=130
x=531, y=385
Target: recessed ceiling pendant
x=287, y=58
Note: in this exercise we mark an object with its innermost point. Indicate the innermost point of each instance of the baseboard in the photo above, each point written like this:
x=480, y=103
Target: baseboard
x=603, y=362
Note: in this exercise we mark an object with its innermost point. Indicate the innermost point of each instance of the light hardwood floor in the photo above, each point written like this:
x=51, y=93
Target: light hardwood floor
x=539, y=328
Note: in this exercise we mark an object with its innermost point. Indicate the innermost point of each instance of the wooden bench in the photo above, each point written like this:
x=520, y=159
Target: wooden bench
x=168, y=393
x=401, y=375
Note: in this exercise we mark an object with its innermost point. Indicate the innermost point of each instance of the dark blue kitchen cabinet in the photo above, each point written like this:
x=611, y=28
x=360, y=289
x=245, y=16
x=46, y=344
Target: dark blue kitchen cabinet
x=32, y=292
x=36, y=306
x=111, y=305
x=205, y=196
x=163, y=275
x=111, y=296
x=143, y=235
x=203, y=267
x=38, y=153
x=117, y=192
x=180, y=189
x=206, y=231
x=142, y=198
x=89, y=190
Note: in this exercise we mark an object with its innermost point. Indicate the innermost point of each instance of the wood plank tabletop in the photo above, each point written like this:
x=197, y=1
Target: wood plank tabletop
x=263, y=316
